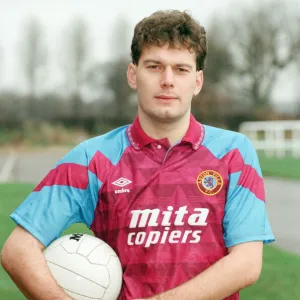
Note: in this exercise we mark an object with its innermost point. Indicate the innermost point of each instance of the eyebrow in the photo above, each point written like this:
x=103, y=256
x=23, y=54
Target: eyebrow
x=153, y=61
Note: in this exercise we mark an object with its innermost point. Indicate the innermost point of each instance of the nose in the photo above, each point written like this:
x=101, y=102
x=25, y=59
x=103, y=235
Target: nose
x=167, y=78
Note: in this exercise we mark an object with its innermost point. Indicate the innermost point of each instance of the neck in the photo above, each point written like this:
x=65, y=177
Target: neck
x=173, y=131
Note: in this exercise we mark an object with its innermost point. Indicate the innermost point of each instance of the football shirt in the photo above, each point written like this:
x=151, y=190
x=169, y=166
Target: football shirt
x=169, y=212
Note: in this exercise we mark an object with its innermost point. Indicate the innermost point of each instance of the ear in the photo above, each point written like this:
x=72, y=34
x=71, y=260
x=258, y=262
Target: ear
x=199, y=82
x=131, y=75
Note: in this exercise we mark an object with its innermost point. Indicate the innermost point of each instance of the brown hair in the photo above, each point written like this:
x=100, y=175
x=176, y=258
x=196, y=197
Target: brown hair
x=174, y=27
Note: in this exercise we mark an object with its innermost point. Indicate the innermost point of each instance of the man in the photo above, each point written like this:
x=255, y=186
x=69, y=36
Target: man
x=182, y=203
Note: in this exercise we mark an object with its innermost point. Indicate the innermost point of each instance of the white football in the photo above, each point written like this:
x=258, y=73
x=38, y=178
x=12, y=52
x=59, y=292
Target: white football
x=85, y=267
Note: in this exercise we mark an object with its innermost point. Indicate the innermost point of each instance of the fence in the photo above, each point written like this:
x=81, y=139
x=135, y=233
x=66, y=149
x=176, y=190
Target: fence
x=274, y=138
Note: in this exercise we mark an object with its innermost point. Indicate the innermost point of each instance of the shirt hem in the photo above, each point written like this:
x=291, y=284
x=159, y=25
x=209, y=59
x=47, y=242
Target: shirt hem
x=266, y=239
x=19, y=220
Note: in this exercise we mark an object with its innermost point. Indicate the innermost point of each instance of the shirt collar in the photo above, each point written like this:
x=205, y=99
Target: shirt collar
x=139, y=139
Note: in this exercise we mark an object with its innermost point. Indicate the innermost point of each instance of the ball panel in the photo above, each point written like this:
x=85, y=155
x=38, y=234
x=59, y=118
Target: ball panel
x=79, y=265
x=115, y=270
x=101, y=254
x=72, y=242
x=80, y=297
x=87, y=244
x=75, y=283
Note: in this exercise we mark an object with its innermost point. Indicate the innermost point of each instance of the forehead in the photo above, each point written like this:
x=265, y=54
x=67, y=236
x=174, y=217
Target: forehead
x=167, y=55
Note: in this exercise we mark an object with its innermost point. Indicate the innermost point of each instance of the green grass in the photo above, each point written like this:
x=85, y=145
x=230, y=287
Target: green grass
x=10, y=197
x=280, y=277
x=287, y=167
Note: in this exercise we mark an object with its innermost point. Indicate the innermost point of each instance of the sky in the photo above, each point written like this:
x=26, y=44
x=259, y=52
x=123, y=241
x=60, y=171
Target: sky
x=100, y=16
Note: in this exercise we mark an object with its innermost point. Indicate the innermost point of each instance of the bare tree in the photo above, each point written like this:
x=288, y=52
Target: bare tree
x=1, y=63
x=108, y=82
x=212, y=106
x=108, y=79
x=264, y=41
x=120, y=39
x=76, y=46
x=116, y=75
x=33, y=59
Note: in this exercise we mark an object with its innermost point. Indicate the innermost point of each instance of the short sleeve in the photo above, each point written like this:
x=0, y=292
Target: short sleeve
x=245, y=217
x=66, y=195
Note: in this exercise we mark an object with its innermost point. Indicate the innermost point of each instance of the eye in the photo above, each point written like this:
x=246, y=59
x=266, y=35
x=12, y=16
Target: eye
x=182, y=70
x=154, y=67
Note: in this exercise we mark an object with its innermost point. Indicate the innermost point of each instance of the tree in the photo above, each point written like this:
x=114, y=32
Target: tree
x=212, y=105
x=75, y=59
x=264, y=41
x=1, y=63
x=120, y=39
x=118, y=85
x=108, y=79
x=33, y=59
x=116, y=81
x=108, y=82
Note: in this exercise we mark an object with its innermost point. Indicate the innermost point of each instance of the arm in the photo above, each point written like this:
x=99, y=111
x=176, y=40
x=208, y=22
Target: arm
x=23, y=260
x=66, y=195
x=239, y=269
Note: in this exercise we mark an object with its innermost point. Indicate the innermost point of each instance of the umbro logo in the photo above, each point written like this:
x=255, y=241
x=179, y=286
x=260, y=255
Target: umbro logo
x=121, y=182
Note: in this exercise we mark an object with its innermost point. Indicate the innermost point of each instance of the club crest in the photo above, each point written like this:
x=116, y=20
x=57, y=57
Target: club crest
x=209, y=182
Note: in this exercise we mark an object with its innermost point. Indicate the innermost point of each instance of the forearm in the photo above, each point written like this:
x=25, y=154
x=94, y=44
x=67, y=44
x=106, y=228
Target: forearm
x=226, y=277
x=28, y=269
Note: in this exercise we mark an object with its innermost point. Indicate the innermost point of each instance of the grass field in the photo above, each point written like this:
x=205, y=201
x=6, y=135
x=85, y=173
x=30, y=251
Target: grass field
x=287, y=167
x=11, y=195
x=280, y=277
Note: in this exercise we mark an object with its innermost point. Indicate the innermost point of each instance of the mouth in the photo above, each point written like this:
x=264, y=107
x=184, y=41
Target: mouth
x=166, y=97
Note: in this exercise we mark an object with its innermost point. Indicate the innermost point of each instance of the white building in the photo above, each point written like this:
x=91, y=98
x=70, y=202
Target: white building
x=274, y=138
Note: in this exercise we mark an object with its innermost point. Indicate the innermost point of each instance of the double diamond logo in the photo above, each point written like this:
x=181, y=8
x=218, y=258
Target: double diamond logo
x=121, y=182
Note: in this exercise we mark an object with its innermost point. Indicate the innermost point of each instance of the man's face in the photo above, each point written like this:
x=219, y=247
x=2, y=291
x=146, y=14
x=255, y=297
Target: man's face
x=166, y=81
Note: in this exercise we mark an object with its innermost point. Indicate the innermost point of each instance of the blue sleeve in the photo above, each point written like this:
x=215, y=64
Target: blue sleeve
x=245, y=216
x=68, y=194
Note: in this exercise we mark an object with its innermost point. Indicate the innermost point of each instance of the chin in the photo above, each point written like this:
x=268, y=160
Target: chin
x=167, y=116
